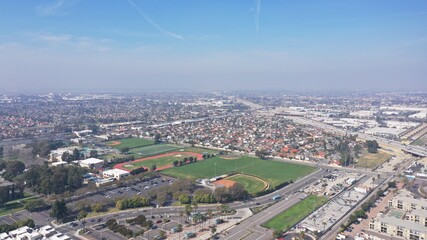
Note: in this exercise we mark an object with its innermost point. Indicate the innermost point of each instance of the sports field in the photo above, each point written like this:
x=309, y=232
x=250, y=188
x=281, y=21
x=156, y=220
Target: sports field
x=373, y=160
x=273, y=172
x=154, y=150
x=251, y=184
x=130, y=143
x=288, y=218
x=161, y=161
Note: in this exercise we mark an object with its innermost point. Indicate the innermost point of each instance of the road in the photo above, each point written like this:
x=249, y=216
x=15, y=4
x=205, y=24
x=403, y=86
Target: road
x=411, y=149
x=276, y=208
x=250, y=228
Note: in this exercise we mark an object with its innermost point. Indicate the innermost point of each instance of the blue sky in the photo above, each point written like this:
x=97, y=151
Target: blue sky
x=210, y=45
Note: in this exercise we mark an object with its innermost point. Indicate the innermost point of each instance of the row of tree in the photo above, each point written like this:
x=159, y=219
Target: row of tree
x=43, y=148
x=76, y=155
x=134, y=202
x=186, y=160
x=20, y=223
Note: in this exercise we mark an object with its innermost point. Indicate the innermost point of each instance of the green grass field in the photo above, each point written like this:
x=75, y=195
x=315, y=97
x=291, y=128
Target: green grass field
x=159, y=162
x=111, y=156
x=131, y=143
x=15, y=205
x=251, y=184
x=271, y=171
x=152, y=150
x=201, y=150
x=286, y=219
x=373, y=160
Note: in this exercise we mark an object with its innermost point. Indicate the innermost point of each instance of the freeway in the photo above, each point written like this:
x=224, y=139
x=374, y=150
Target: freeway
x=417, y=150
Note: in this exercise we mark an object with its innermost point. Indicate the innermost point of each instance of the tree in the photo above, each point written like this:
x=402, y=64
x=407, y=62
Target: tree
x=261, y=153
x=157, y=139
x=97, y=207
x=76, y=154
x=35, y=205
x=124, y=149
x=237, y=192
x=153, y=168
x=59, y=210
x=195, y=206
x=175, y=163
x=277, y=234
x=179, y=228
x=392, y=184
x=188, y=210
x=93, y=153
x=66, y=157
x=213, y=231
x=14, y=168
x=4, y=195
x=184, y=198
x=372, y=146
x=82, y=215
x=209, y=214
x=302, y=235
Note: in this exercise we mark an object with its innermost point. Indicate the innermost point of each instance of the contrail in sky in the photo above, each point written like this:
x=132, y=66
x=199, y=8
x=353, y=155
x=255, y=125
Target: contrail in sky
x=257, y=12
x=140, y=12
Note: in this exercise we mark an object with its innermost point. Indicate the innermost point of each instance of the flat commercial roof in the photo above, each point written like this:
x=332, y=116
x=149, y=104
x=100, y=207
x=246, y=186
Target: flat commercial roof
x=91, y=161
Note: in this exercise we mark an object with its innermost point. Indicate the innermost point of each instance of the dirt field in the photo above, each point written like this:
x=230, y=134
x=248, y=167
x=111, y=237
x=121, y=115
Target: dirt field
x=224, y=183
x=115, y=143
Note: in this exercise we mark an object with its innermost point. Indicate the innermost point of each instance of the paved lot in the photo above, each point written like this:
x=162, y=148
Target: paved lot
x=130, y=190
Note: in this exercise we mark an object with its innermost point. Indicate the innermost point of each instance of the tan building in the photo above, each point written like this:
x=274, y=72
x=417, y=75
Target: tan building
x=417, y=216
x=407, y=203
x=397, y=228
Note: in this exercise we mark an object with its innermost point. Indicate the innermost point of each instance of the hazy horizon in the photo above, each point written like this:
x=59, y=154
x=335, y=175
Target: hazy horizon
x=135, y=45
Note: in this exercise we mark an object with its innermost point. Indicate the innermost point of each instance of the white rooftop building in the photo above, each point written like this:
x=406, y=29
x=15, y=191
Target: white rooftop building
x=115, y=173
x=92, y=163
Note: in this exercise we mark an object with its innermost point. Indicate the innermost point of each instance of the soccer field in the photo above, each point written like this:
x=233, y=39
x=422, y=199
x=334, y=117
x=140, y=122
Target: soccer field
x=154, y=150
x=161, y=161
x=130, y=143
x=273, y=172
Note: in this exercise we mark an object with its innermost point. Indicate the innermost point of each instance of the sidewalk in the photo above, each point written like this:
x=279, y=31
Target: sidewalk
x=231, y=220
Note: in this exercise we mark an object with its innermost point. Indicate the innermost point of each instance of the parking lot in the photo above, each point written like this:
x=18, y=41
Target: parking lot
x=127, y=191
x=40, y=218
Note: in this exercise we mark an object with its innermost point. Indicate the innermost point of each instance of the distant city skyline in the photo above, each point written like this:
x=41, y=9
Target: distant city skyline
x=135, y=45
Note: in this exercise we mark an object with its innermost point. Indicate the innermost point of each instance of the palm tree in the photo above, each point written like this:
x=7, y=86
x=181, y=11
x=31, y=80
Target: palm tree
x=81, y=217
x=373, y=181
x=181, y=214
x=302, y=235
x=213, y=231
x=195, y=206
x=188, y=210
x=209, y=214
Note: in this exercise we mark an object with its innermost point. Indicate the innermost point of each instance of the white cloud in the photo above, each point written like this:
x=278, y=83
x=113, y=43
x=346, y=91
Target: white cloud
x=59, y=7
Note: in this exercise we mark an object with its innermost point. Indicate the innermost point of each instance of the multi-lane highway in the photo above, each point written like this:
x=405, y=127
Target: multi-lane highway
x=417, y=150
